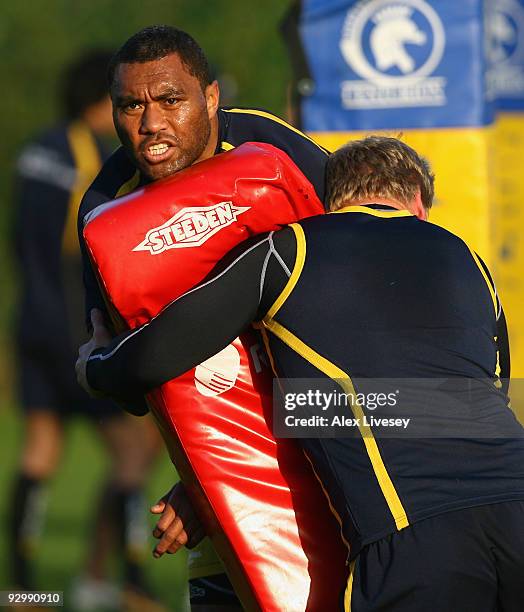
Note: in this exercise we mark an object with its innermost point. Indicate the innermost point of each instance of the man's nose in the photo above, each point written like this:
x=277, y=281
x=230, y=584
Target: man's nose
x=153, y=119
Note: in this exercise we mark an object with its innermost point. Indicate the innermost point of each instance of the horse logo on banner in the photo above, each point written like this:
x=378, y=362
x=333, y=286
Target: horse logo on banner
x=392, y=32
x=394, y=47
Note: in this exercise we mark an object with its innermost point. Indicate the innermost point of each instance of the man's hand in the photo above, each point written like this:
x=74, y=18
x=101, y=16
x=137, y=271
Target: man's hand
x=178, y=526
x=100, y=338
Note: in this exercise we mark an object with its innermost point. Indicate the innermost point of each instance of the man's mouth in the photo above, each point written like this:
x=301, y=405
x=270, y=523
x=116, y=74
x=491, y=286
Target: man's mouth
x=158, y=149
x=158, y=152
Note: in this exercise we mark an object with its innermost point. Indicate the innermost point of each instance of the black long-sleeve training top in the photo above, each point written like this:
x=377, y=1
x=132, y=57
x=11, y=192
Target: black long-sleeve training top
x=368, y=293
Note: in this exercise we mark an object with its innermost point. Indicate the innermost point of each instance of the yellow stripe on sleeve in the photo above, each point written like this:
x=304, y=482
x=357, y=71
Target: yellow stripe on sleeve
x=349, y=587
x=488, y=282
x=297, y=270
x=341, y=378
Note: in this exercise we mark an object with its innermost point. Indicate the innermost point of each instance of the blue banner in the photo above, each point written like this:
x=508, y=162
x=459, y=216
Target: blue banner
x=386, y=64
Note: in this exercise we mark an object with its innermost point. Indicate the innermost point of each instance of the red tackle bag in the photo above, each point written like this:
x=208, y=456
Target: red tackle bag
x=262, y=506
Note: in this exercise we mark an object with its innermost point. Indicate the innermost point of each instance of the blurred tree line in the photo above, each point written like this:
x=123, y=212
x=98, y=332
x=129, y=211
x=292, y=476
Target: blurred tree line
x=38, y=37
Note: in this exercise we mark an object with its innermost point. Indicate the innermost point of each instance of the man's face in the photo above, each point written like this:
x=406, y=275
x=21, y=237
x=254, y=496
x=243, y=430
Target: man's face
x=162, y=116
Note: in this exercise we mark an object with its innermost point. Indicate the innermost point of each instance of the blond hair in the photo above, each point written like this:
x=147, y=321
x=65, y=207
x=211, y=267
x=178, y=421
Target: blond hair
x=377, y=167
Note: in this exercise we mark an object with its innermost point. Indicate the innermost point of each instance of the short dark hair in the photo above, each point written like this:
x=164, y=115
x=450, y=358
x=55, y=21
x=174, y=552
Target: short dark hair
x=380, y=167
x=157, y=41
x=84, y=82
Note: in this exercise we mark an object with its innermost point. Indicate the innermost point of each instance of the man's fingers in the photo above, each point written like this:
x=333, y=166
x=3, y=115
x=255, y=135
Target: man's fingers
x=80, y=366
x=175, y=533
x=181, y=541
x=169, y=516
x=168, y=528
x=161, y=504
x=97, y=318
x=101, y=337
x=97, y=321
x=158, y=508
x=158, y=533
x=101, y=334
x=174, y=529
x=174, y=548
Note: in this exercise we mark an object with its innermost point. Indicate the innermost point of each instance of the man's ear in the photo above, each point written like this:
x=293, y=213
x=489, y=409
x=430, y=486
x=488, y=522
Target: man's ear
x=418, y=209
x=212, y=94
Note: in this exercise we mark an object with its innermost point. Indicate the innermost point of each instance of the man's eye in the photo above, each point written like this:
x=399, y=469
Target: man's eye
x=132, y=106
x=171, y=101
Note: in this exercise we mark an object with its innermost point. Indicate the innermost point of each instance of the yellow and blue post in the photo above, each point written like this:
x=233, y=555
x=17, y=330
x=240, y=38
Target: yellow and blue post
x=506, y=80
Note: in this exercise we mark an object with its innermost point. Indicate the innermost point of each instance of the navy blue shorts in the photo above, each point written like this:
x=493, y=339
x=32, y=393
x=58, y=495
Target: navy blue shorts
x=215, y=590
x=466, y=560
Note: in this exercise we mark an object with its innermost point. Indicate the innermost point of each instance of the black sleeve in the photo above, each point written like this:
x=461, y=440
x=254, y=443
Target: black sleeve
x=261, y=126
x=198, y=324
x=307, y=155
x=503, y=354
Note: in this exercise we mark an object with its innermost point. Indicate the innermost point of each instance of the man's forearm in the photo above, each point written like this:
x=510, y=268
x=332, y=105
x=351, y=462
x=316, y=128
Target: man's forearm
x=147, y=357
x=191, y=329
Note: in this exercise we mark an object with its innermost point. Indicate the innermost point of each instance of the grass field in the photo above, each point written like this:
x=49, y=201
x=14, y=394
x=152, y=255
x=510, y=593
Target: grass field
x=71, y=496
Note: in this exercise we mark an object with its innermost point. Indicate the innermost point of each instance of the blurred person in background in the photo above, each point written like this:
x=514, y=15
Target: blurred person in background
x=53, y=172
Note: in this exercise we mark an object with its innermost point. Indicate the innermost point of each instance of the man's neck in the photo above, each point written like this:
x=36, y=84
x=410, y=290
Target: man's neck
x=415, y=208
x=212, y=142
x=371, y=201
